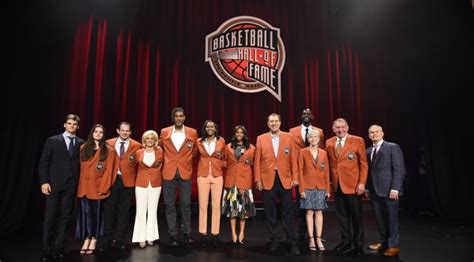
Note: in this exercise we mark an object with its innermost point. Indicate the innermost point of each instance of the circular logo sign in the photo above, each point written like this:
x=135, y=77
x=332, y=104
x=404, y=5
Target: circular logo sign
x=247, y=54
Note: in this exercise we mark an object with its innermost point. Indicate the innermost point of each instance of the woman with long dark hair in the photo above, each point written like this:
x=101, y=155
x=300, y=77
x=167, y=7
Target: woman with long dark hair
x=97, y=166
x=238, y=200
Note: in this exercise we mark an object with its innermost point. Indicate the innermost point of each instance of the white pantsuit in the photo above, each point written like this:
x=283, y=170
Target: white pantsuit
x=146, y=219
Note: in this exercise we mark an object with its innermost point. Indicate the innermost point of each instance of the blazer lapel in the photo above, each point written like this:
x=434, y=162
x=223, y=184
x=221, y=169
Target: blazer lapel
x=95, y=158
x=347, y=144
x=299, y=135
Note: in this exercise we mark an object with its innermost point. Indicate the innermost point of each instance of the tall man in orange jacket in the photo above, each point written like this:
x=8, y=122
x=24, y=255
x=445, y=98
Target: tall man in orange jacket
x=179, y=146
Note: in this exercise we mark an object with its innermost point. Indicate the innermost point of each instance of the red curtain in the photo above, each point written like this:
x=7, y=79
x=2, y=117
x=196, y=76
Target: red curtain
x=137, y=71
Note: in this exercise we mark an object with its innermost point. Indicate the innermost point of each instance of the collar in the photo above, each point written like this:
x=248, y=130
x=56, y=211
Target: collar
x=343, y=140
x=178, y=131
x=378, y=144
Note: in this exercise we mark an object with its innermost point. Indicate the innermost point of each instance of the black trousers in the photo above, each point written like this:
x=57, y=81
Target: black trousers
x=287, y=209
x=57, y=214
x=349, y=213
x=117, y=209
x=169, y=194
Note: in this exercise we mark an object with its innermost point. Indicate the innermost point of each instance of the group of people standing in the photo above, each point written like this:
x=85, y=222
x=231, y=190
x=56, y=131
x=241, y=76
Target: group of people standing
x=103, y=174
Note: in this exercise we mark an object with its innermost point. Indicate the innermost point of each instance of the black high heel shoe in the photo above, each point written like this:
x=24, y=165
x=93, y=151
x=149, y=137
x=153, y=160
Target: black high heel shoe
x=321, y=247
x=312, y=247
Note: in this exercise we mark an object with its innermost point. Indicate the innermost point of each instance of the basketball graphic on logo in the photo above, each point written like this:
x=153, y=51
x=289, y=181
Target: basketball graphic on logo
x=247, y=54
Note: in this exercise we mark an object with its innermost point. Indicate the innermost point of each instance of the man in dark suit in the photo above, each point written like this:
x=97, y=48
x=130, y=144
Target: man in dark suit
x=58, y=176
x=386, y=173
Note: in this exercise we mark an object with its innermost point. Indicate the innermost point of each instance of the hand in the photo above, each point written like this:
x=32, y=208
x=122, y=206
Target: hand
x=360, y=189
x=393, y=195
x=303, y=195
x=259, y=186
x=242, y=191
x=46, y=189
x=294, y=183
x=101, y=194
x=328, y=194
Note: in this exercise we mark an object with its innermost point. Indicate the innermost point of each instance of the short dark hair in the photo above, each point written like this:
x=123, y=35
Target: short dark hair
x=274, y=114
x=175, y=110
x=124, y=123
x=72, y=117
x=203, y=129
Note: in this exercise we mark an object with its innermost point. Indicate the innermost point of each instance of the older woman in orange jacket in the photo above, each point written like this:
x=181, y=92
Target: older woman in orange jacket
x=314, y=186
x=97, y=166
x=209, y=178
x=238, y=199
x=148, y=190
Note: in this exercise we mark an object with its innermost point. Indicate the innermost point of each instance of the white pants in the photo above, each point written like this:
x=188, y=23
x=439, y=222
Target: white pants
x=146, y=219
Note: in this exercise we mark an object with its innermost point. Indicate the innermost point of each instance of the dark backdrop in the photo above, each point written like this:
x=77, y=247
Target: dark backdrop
x=405, y=65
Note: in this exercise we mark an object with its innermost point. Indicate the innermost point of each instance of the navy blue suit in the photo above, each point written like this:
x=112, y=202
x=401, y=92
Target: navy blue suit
x=386, y=173
x=61, y=170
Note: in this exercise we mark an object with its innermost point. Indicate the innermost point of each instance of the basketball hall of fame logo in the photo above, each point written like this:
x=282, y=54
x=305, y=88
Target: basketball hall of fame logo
x=247, y=54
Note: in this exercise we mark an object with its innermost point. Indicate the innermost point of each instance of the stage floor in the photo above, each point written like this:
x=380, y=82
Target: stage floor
x=422, y=238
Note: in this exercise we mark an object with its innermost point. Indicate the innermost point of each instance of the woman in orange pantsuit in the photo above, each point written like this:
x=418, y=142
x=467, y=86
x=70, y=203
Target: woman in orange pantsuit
x=209, y=179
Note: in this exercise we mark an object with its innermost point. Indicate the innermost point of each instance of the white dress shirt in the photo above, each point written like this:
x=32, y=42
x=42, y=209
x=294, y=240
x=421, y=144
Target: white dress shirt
x=178, y=137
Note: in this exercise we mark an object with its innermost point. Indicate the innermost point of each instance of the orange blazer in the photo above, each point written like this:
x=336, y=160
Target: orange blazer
x=128, y=162
x=349, y=168
x=216, y=160
x=239, y=172
x=266, y=163
x=96, y=176
x=313, y=175
x=299, y=140
x=181, y=160
x=149, y=174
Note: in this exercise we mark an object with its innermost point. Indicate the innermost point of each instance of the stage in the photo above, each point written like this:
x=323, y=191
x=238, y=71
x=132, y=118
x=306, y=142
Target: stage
x=423, y=237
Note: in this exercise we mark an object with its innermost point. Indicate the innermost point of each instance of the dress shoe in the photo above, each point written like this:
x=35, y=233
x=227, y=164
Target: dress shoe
x=58, y=253
x=105, y=246
x=391, y=251
x=274, y=245
x=46, y=257
x=295, y=249
x=188, y=239
x=202, y=240
x=376, y=246
x=113, y=242
x=216, y=242
x=121, y=245
x=174, y=241
x=343, y=248
x=359, y=251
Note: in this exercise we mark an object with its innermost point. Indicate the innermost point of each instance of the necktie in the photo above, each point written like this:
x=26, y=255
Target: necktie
x=306, y=143
x=339, y=147
x=71, y=145
x=374, y=151
x=122, y=149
